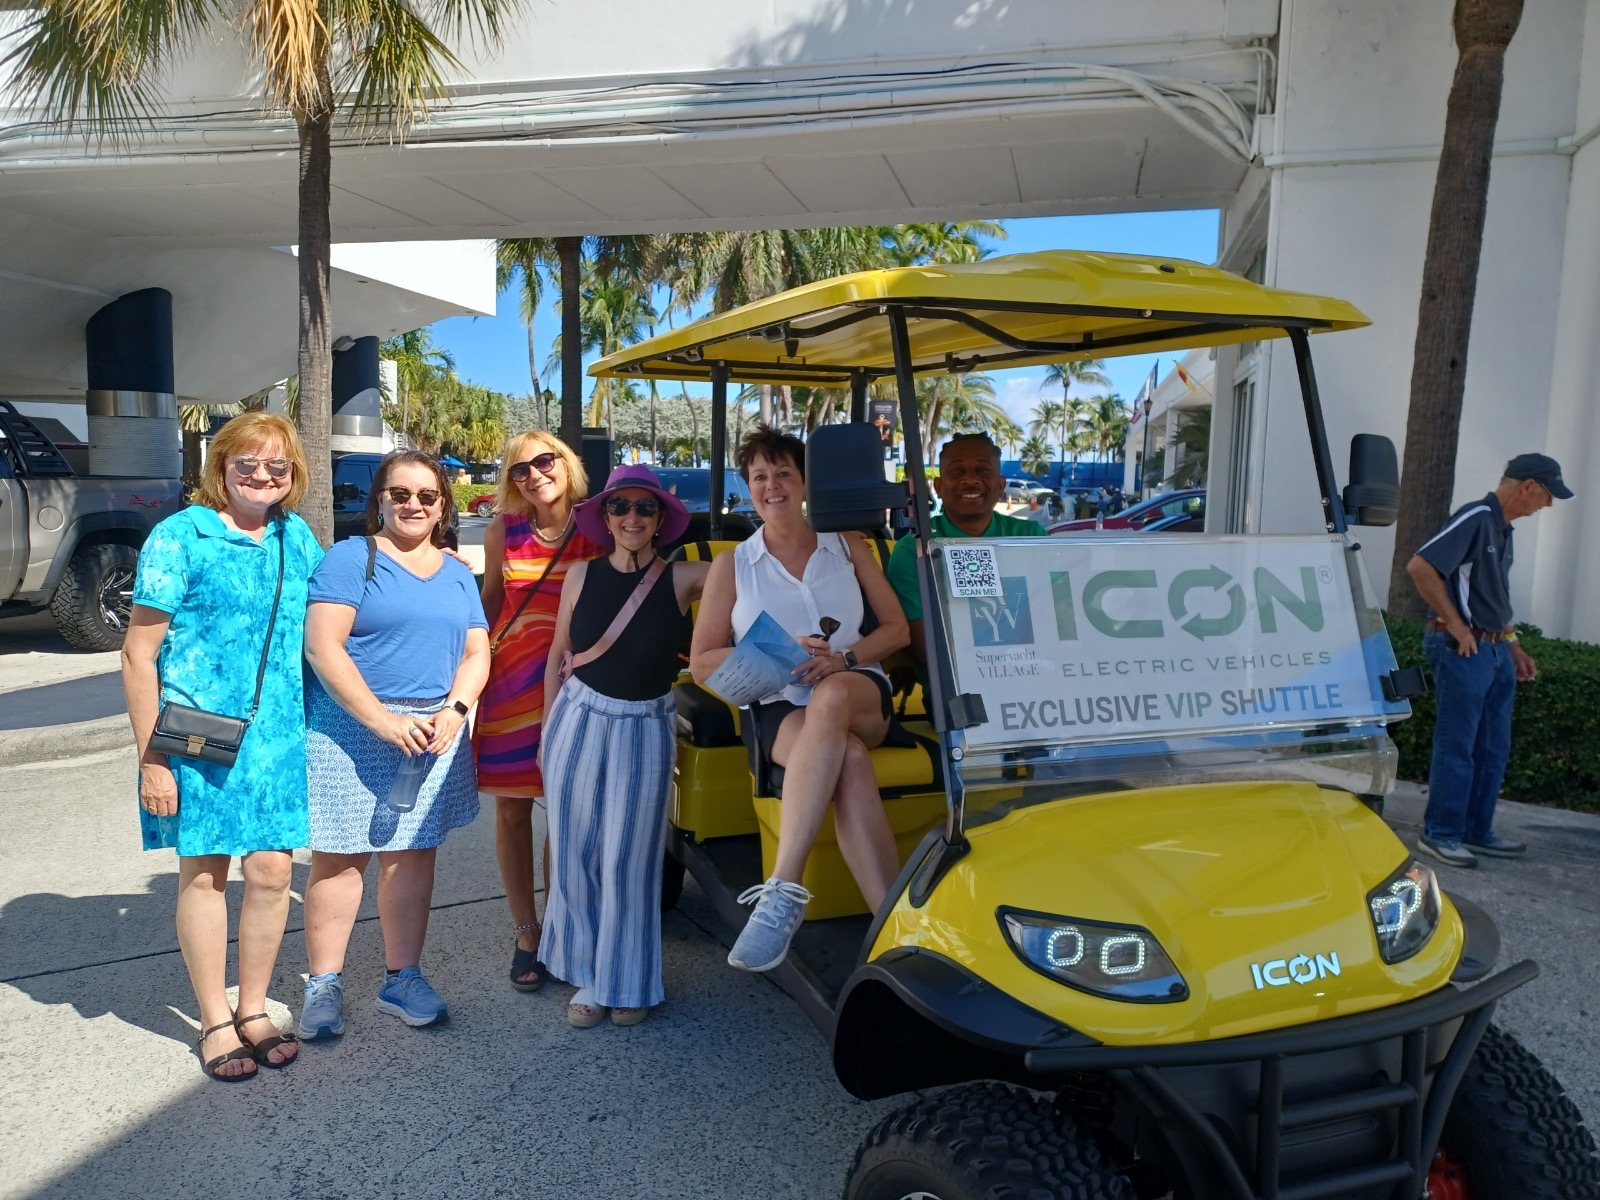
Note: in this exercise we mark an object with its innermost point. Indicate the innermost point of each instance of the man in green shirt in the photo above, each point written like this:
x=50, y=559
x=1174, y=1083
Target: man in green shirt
x=969, y=486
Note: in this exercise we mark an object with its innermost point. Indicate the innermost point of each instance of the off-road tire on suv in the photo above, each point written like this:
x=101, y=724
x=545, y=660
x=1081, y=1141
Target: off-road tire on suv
x=983, y=1141
x=92, y=603
x=1514, y=1132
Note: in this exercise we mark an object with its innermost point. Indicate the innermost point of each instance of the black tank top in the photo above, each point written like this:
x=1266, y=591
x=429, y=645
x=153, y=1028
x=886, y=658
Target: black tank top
x=642, y=663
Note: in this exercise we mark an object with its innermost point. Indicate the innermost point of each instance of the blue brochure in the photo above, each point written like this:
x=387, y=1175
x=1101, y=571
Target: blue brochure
x=762, y=663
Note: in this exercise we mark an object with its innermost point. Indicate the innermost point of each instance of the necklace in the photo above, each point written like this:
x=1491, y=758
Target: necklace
x=551, y=541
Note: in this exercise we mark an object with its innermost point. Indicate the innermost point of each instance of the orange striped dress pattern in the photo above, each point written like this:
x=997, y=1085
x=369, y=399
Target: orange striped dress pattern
x=511, y=709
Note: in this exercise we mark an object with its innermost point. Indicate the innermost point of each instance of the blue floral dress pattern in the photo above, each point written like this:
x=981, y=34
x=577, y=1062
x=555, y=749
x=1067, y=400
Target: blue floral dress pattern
x=218, y=583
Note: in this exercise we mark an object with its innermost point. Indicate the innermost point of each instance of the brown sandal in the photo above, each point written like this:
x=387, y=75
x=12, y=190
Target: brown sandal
x=260, y=1050
x=238, y=1054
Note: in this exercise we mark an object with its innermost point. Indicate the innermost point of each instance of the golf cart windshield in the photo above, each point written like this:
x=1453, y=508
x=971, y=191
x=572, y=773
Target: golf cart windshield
x=1248, y=603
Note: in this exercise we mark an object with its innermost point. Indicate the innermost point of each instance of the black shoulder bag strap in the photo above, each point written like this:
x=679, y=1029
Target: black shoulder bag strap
x=266, y=648
x=529, y=594
x=372, y=556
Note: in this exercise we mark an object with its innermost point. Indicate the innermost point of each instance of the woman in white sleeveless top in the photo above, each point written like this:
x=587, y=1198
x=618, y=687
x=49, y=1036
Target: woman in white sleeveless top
x=821, y=727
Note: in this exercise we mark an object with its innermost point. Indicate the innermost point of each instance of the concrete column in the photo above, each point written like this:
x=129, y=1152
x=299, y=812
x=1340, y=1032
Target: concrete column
x=357, y=398
x=130, y=401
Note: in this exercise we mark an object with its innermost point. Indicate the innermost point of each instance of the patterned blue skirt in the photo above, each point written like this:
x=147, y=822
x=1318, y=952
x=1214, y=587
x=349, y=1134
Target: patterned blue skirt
x=349, y=770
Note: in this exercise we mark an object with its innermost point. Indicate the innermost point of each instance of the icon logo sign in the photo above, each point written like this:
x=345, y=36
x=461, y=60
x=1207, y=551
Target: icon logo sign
x=1205, y=602
x=1301, y=969
x=1003, y=620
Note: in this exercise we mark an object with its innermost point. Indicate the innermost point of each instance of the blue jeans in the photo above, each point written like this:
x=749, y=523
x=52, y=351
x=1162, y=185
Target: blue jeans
x=1471, y=736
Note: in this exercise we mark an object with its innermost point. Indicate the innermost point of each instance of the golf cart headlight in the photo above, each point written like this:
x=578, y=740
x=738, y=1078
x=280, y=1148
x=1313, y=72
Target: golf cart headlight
x=1405, y=911
x=1120, y=962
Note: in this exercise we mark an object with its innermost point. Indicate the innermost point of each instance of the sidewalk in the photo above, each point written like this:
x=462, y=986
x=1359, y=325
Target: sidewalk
x=56, y=701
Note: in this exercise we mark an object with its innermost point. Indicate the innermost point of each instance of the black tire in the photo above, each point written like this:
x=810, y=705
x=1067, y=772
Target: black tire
x=94, y=601
x=671, y=882
x=1514, y=1132
x=983, y=1141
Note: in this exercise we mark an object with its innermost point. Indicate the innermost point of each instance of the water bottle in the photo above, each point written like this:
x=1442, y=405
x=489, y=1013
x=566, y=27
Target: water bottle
x=407, y=783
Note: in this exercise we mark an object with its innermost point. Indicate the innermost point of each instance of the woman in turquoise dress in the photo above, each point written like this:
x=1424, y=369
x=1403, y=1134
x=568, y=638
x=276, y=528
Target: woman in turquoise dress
x=203, y=601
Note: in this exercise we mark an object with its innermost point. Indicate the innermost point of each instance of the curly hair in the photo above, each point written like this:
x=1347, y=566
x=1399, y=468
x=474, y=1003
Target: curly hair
x=764, y=441
x=440, y=533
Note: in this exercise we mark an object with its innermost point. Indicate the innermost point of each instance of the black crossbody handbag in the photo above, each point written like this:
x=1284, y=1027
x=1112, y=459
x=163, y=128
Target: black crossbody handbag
x=212, y=737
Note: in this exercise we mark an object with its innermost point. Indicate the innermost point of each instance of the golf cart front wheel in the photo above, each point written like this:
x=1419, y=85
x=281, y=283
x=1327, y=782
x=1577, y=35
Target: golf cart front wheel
x=982, y=1141
x=1512, y=1133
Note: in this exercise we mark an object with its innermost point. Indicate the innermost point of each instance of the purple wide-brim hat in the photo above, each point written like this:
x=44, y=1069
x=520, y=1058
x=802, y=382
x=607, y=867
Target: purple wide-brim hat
x=591, y=514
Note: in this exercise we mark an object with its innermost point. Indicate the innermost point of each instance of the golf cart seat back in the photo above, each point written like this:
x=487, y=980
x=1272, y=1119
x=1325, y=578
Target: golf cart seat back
x=845, y=486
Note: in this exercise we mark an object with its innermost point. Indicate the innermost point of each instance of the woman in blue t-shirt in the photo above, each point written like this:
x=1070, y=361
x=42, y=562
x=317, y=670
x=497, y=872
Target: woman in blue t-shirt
x=396, y=635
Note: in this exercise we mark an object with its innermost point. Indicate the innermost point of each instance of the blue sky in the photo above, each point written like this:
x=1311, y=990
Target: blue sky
x=493, y=351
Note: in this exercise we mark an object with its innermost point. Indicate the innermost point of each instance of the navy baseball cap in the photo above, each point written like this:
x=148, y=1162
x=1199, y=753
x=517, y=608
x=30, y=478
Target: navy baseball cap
x=1542, y=469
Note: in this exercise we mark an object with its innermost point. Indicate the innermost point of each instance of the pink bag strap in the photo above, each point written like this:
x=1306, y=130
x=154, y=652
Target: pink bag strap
x=624, y=615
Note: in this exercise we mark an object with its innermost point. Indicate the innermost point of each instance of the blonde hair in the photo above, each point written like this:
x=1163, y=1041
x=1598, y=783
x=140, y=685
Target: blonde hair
x=253, y=431
x=520, y=447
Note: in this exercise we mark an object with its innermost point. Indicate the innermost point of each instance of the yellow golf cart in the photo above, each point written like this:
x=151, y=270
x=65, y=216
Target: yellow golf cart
x=1151, y=936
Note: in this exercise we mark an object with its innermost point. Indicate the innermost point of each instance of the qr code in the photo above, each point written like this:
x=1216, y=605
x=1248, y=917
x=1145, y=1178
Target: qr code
x=973, y=571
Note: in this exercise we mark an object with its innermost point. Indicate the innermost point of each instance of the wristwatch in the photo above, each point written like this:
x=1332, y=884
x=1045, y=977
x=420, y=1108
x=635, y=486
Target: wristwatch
x=459, y=707
x=850, y=660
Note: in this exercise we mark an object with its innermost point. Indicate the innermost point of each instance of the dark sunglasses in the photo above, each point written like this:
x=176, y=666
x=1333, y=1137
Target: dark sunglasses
x=618, y=506
x=276, y=467
x=427, y=497
x=542, y=462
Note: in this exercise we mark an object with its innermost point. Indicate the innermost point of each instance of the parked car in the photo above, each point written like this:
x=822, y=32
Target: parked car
x=1019, y=491
x=352, y=484
x=1188, y=501
x=692, y=485
x=482, y=506
x=1182, y=522
x=69, y=543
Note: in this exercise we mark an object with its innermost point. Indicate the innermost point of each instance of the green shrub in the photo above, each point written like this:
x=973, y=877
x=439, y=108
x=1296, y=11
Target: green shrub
x=1555, y=725
x=466, y=493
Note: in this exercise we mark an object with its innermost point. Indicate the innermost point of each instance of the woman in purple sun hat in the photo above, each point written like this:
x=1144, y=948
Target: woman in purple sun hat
x=609, y=748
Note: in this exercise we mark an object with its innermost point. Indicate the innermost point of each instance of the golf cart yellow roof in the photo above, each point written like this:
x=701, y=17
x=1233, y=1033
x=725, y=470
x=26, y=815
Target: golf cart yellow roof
x=1016, y=310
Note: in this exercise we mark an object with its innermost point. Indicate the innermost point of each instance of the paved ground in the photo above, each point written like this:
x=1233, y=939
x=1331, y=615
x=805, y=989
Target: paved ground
x=726, y=1092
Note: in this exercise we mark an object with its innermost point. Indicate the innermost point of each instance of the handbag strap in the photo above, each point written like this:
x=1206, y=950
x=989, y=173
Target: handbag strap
x=266, y=647
x=624, y=615
x=538, y=583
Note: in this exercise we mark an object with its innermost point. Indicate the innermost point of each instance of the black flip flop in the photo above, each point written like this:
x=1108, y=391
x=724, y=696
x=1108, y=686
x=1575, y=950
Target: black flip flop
x=523, y=961
x=238, y=1054
x=260, y=1050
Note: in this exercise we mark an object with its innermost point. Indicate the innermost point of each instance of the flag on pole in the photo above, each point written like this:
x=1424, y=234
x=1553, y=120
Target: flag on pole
x=1184, y=375
x=1147, y=392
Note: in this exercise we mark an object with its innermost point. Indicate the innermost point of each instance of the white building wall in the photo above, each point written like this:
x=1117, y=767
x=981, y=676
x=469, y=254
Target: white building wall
x=1353, y=153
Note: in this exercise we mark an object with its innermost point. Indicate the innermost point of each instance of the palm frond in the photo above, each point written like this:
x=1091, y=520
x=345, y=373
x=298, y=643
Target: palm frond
x=96, y=62
x=290, y=39
x=393, y=66
x=483, y=21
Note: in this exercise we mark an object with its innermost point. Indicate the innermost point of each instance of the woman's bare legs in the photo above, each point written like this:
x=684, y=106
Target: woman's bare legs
x=262, y=916
x=333, y=897
x=203, y=938
x=812, y=746
x=865, y=837
x=513, y=847
x=405, y=894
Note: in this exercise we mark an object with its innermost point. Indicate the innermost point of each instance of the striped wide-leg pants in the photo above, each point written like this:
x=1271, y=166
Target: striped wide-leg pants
x=607, y=768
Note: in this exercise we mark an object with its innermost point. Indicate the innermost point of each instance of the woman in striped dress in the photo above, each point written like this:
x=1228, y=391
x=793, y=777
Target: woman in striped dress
x=528, y=548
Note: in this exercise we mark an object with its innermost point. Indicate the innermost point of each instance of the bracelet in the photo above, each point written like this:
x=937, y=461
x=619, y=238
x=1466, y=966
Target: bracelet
x=528, y=928
x=1511, y=637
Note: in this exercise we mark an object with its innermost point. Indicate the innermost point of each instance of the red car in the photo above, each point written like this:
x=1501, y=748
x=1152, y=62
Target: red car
x=1190, y=501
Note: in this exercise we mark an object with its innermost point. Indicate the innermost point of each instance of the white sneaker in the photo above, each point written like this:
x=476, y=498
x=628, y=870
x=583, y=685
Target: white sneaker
x=780, y=907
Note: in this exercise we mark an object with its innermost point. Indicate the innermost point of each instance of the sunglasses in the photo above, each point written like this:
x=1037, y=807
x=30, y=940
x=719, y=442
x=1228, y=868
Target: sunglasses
x=276, y=467
x=619, y=506
x=427, y=497
x=540, y=462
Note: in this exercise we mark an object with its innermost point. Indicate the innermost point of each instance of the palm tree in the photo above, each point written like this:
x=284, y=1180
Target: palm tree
x=1047, y=418
x=1483, y=29
x=1035, y=456
x=1074, y=412
x=528, y=261
x=614, y=311
x=347, y=70
x=942, y=241
x=1108, y=423
x=1007, y=433
x=418, y=365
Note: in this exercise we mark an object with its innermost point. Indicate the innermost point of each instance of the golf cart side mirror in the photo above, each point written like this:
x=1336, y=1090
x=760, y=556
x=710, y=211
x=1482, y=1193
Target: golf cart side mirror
x=845, y=487
x=1372, y=497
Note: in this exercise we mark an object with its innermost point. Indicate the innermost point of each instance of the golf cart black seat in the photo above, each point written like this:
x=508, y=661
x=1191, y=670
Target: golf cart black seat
x=735, y=528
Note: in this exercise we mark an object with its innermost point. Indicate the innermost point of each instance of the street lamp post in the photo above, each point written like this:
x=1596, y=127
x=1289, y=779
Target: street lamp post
x=1144, y=458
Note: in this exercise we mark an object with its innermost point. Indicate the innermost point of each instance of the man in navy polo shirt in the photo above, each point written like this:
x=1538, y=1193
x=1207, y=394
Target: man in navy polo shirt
x=1463, y=572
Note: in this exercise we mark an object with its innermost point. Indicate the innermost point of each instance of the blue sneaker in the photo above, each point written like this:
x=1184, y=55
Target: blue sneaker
x=407, y=994
x=1447, y=851
x=1496, y=846
x=764, y=943
x=322, y=1016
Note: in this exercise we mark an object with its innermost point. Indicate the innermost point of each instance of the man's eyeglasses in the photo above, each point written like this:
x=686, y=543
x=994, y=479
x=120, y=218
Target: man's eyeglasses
x=541, y=462
x=246, y=465
x=618, y=506
x=426, y=497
